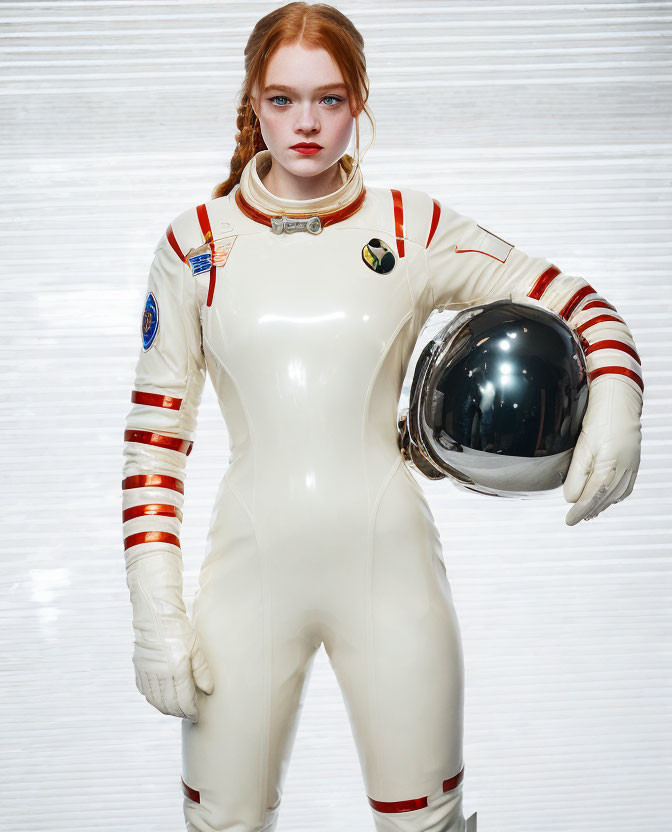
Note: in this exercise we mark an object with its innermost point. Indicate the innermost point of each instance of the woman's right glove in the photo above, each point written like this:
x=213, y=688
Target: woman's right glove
x=168, y=659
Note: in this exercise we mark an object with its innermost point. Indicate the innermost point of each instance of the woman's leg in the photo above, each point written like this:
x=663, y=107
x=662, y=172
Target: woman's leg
x=397, y=654
x=234, y=759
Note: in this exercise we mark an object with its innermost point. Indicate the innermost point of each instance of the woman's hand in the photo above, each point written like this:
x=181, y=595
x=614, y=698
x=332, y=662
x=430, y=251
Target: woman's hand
x=168, y=659
x=606, y=458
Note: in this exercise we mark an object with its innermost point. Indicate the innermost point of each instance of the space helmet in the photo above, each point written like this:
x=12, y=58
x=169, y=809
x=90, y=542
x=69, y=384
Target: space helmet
x=497, y=401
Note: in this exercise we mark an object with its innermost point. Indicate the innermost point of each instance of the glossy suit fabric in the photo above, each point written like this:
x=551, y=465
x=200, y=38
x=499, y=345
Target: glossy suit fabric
x=320, y=534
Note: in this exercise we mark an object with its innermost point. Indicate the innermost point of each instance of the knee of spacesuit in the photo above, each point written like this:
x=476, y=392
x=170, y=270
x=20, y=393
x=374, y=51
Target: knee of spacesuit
x=442, y=813
x=224, y=812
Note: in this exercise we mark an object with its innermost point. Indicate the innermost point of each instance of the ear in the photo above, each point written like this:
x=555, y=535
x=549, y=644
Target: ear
x=253, y=102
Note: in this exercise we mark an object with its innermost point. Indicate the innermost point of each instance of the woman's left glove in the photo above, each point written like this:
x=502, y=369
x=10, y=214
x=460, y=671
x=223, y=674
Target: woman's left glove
x=606, y=457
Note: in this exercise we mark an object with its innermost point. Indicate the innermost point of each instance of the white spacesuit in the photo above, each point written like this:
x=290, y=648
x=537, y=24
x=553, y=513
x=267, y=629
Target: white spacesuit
x=319, y=534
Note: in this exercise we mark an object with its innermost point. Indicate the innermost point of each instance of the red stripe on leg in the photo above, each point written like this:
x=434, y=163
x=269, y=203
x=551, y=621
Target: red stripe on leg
x=192, y=794
x=453, y=781
x=398, y=805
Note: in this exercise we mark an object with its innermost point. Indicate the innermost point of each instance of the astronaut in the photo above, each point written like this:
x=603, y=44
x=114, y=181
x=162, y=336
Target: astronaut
x=305, y=314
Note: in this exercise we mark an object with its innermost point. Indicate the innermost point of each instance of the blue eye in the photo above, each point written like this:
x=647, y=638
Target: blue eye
x=334, y=97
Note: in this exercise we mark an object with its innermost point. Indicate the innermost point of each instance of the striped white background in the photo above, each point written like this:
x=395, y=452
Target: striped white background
x=548, y=122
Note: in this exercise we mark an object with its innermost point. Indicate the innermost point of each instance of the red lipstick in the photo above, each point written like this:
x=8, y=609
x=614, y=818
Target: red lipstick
x=307, y=148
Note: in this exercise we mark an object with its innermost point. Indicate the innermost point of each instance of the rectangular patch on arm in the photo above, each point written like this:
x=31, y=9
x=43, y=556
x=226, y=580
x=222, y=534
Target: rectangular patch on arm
x=483, y=241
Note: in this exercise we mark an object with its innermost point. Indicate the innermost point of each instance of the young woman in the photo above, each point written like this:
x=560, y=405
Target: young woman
x=302, y=292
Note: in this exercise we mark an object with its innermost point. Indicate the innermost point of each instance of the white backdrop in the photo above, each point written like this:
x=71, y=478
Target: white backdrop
x=548, y=122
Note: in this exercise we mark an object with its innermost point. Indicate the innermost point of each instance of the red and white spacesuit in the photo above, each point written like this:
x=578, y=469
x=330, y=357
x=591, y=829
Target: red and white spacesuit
x=319, y=534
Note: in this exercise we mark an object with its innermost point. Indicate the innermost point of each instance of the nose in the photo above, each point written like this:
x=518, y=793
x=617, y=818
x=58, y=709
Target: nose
x=307, y=121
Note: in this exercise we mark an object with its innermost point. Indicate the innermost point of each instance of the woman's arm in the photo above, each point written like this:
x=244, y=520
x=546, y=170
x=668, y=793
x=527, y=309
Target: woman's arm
x=169, y=379
x=468, y=265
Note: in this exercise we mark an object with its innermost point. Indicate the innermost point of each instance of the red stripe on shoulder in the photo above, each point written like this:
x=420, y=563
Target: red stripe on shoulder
x=398, y=220
x=173, y=242
x=204, y=222
x=435, y=221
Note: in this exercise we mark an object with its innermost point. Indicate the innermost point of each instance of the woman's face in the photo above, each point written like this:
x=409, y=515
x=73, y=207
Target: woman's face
x=304, y=100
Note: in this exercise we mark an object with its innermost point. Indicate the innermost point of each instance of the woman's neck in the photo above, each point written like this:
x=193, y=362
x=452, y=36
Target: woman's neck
x=286, y=186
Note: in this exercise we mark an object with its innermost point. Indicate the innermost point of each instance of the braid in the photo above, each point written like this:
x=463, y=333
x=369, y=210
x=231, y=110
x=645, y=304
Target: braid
x=249, y=142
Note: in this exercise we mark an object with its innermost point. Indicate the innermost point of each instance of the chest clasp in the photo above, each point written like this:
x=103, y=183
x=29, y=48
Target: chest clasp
x=291, y=224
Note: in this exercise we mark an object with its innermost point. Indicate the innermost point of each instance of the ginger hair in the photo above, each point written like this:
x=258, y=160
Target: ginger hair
x=314, y=26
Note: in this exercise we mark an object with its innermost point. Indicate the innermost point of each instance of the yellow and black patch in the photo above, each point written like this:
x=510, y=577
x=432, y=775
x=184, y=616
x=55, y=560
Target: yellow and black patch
x=378, y=256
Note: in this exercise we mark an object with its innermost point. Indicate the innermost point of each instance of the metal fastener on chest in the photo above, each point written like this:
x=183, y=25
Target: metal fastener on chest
x=291, y=224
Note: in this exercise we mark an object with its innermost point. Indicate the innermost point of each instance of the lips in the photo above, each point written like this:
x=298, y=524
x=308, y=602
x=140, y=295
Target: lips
x=307, y=145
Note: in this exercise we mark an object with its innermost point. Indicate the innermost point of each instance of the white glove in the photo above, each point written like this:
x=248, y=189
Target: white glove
x=167, y=650
x=606, y=457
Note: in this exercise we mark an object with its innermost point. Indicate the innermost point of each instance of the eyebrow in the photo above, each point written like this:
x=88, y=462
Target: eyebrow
x=318, y=89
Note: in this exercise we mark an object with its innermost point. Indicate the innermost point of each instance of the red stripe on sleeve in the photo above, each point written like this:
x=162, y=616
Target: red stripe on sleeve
x=543, y=282
x=148, y=437
x=435, y=220
x=574, y=301
x=597, y=320
x=624, y=371
x=151, y=537
x=173, y=242
x=614, y=345
x=598, y=302
x=398, y=220
x=153, y=481
x=155, y=400
x=151, y=508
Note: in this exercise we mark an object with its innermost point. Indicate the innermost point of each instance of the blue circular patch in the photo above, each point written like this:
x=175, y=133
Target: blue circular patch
x=150, y=321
